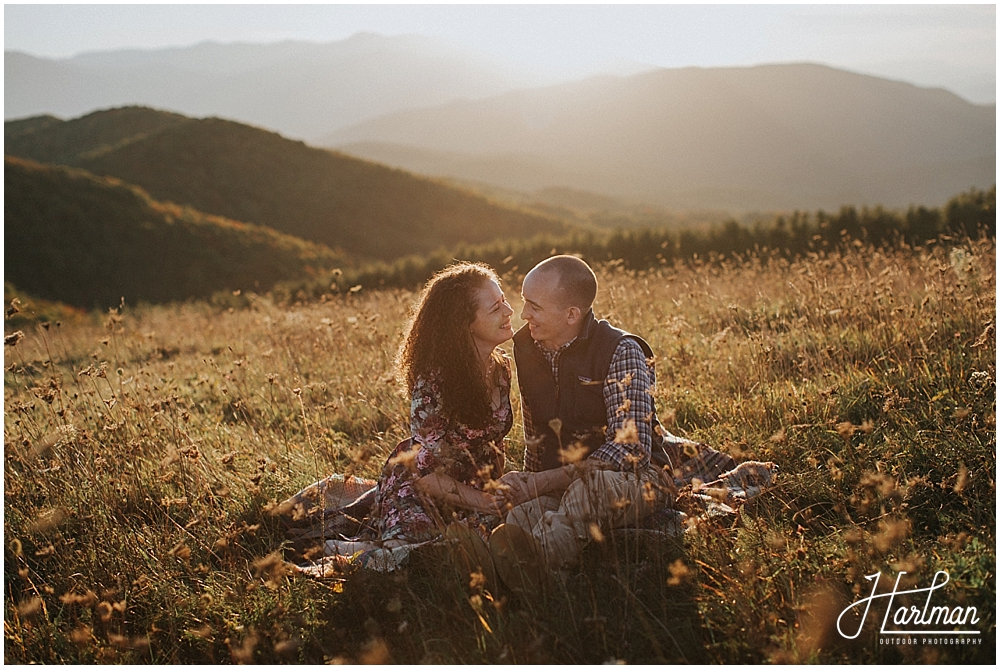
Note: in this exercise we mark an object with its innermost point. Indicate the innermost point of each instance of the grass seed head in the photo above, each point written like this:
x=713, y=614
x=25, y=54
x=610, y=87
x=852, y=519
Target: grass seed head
x=48, y=520
x=962, y=478
x=104, y=611
x=29, y=608
x=892, y=531
x=242, y=652
x=86, y=600
x=180, y=551
x=81, y=636
x=375, y=652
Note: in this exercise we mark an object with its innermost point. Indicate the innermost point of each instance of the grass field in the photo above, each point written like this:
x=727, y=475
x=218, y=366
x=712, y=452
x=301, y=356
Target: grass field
x=145, y=448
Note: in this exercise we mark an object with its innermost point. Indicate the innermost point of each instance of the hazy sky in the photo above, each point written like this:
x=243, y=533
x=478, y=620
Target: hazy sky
x=952, y=46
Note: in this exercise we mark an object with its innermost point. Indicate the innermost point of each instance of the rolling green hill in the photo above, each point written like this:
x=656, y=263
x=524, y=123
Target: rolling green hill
x=47, y=139
x=248, y=174
x=88, y=241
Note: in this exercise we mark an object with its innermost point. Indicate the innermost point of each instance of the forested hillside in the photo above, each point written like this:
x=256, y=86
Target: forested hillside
x=248, y=174
x=89, y=241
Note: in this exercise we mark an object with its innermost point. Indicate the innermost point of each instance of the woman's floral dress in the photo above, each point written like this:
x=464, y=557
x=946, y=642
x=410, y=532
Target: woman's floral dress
x=471, y=456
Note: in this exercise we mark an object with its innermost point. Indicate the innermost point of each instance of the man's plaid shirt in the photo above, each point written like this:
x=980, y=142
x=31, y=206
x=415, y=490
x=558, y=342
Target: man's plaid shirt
x=628, y=398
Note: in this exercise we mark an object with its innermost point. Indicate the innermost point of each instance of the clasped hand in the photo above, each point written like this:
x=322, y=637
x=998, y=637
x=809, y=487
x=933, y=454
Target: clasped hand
x=514, y=489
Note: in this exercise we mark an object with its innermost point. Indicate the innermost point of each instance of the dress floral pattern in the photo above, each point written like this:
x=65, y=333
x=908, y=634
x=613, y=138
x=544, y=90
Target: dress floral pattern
x=469, y=455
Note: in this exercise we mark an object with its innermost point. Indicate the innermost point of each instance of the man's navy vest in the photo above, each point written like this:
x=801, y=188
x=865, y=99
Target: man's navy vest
x=578, y=399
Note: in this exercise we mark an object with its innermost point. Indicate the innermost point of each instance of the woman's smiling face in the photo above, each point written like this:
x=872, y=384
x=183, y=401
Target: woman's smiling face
x=492, y=324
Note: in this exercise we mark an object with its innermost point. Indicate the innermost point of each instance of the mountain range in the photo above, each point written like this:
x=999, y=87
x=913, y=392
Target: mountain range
x=733, y=139
x=300, y=89
x=248, y=174
x=757, y=138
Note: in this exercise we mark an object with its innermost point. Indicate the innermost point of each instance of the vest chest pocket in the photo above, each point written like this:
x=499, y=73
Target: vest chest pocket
x=589, y=408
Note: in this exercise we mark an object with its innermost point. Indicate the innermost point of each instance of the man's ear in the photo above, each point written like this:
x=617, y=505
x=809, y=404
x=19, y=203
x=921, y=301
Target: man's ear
x=573, y=316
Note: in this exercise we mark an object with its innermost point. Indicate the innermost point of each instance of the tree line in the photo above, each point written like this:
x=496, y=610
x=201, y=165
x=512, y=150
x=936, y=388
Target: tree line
x=970, y=214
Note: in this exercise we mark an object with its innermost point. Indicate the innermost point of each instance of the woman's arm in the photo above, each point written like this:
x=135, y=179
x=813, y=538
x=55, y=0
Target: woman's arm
x=519, y=487
x=443, y=488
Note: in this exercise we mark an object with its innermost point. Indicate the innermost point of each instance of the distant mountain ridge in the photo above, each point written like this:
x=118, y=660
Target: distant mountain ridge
x=764, y=138
x=89, y=241
x=248, y=174
x=301, y=89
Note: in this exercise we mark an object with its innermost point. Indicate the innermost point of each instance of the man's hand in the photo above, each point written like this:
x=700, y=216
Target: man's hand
x=515, y=489
x=587, y=465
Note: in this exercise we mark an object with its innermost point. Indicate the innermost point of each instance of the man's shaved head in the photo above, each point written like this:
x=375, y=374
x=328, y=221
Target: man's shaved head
x=577, y=283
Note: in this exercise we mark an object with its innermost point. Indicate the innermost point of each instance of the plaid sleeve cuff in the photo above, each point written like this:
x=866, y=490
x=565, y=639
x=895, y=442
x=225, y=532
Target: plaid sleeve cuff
x=629, y=401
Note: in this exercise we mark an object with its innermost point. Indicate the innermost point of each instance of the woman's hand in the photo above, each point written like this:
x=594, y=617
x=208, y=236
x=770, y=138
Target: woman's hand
x=443, y=488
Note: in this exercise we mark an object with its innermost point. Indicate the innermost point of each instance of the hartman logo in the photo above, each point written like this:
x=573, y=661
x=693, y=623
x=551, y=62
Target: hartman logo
x=906, y=621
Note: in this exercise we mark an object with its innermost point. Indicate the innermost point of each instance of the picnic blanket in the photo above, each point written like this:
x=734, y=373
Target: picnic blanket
x=710, y=485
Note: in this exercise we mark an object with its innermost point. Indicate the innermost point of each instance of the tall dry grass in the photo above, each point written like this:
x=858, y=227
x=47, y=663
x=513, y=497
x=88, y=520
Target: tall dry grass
x=144, y=450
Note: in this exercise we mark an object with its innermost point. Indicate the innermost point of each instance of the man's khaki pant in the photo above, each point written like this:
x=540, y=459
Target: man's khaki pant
x=592, y=505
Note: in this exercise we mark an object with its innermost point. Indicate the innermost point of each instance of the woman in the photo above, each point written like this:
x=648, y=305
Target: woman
x=459, y=414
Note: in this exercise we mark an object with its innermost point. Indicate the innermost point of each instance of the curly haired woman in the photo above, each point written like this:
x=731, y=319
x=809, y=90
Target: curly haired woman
x=459, y=414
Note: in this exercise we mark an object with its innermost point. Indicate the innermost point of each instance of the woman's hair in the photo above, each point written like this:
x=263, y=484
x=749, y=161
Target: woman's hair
x=439, y=341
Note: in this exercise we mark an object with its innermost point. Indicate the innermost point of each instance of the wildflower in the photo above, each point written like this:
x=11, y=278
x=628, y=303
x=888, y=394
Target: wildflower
x=118, y=640
x=203, y=632
x=846, y=429
x=375, y=652
x=575, y=453
x=595, y=532
x=679, y=572
x=61, y=435
x=628, y=434
x=668, y=417
x=690, y=449
x=624, y=407
x=776, y=541
x=273, y=567
x=407, y=458
x=287, y=646
x=476, y=580
x=81, y=636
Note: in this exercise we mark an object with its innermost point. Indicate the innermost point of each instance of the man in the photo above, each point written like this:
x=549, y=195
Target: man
x=595, y=456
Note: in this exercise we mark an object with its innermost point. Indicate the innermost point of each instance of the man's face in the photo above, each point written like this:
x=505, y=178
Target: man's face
x=552, y=322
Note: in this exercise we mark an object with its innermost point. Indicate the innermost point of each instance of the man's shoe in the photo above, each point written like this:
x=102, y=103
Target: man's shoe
x=471, y=554
x=519, y=560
